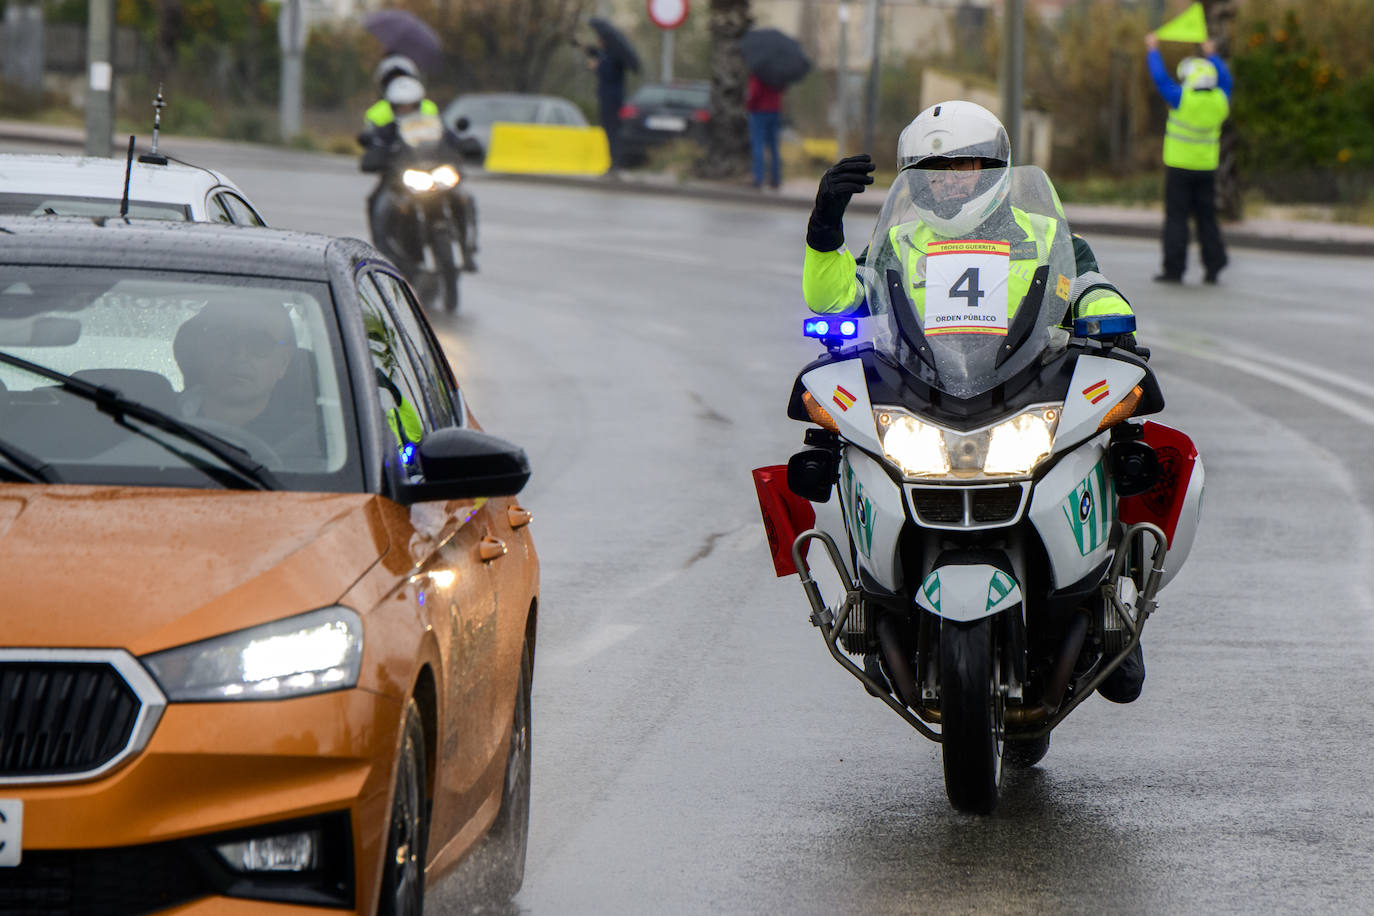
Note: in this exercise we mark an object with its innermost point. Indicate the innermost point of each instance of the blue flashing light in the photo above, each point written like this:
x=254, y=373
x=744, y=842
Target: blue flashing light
x=826, y=329
x=1098, y=326
x=408, y=453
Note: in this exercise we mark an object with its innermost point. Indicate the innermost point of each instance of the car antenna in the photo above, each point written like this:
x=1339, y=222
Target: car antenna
x=152, y=157
x=128, y=171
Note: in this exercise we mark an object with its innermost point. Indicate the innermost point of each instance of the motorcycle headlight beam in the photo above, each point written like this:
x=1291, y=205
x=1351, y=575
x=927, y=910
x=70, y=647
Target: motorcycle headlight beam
x=417, y=180
x=915, y=447
x=445, y=176
x=1011, y=448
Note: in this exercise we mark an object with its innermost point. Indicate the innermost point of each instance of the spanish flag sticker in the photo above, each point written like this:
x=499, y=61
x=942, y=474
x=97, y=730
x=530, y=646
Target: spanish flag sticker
x=1061, y=289
x=843, y=398
x=1096, y=391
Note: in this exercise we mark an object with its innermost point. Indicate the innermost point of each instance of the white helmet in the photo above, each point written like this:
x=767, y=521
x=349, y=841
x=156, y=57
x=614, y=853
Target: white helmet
x=405, y=90
x=392, y=66
x=1197, y=73
x=956, y=130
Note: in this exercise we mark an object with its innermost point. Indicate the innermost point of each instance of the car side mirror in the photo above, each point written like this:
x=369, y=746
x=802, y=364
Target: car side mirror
x=462, y=124
x=461, y=463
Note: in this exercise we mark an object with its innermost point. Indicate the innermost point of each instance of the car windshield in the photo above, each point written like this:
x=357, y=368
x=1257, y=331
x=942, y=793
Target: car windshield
x=12, y=204
x=673, y=96
x=968, y=274
x=488, y=111
x=254, y=361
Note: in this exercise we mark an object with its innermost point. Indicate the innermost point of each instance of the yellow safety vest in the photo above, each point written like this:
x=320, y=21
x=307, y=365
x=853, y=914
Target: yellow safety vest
x=1192, y=136
x=380, y=113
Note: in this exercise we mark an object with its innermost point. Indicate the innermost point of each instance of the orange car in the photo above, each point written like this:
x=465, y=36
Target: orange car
x=267, y=607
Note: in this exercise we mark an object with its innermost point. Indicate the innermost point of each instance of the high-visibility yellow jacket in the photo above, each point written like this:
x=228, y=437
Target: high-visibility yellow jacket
x=1192, y=135
x=379, y=114
x=830, y=284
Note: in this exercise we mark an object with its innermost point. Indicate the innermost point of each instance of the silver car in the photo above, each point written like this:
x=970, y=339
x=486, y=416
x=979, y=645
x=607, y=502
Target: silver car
x=483, y=109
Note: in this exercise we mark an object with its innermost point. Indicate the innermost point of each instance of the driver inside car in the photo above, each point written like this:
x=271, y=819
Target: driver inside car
x=236, y=359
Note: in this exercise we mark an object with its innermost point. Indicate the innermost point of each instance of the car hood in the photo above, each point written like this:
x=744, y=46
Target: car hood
x=149, y=568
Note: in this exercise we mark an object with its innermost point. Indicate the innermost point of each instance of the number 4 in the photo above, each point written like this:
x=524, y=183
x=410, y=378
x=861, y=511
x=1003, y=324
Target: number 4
x=966, y=287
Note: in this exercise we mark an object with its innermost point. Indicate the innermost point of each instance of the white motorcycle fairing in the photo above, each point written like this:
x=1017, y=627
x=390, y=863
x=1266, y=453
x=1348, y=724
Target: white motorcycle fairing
x=963, y=594
x=1073, y=508
x=841, y=389
x=1098, y=385
x=874, y=515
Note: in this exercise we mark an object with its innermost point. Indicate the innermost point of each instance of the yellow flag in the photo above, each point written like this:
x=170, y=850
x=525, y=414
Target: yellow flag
x=1190, y=25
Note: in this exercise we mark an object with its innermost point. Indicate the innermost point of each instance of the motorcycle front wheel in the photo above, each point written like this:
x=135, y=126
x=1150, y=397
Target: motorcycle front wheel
x=971, y=715
x=445, y=269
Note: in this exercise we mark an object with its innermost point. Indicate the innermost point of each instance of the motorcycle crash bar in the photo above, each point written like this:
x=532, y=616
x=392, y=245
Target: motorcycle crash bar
x=831, y=621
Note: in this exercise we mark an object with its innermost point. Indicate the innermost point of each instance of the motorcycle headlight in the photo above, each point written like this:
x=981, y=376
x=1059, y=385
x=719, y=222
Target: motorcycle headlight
x=1011, y=448
x=1019, y=444
x=445, y=176
x=309, y=653
x=915, y=447
x=417, y=180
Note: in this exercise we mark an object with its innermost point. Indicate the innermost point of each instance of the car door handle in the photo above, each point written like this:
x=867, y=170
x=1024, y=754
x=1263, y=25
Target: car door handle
x=491, y=549
x=519, y=517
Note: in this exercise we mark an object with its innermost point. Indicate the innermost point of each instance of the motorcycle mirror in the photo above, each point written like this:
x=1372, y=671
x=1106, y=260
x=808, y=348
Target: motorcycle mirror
x=812, y=472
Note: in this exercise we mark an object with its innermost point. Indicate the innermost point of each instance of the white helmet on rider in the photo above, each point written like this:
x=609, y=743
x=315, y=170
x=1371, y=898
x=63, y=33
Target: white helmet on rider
x=405, y=90
x=1197, y=73
x=392, y=66
x=948, y=136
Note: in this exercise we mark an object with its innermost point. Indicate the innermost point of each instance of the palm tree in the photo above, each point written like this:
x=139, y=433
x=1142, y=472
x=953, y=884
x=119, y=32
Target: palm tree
x=727, y=134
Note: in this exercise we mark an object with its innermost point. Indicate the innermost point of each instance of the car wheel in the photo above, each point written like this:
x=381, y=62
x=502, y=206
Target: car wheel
x=497, y=866
x=403, y=869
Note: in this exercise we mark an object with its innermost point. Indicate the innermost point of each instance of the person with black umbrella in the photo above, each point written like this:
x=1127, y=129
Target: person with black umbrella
x=610, y=58
x=764, y=105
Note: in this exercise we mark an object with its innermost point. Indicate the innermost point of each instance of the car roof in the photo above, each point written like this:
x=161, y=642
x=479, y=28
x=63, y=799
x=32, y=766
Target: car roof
x=93, y=176
x=152, y=244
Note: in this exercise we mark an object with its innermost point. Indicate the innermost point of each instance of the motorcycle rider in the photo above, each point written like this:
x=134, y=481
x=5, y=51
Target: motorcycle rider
x=403, y=94
x=964, y=155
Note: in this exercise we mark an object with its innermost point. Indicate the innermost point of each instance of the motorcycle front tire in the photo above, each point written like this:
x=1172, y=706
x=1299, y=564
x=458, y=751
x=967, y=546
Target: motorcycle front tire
x=971, y=715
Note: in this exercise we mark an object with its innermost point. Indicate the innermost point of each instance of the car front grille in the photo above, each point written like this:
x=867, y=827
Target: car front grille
x=62, y=718
x=967, y=507
x=72, y=714
x=101, y=882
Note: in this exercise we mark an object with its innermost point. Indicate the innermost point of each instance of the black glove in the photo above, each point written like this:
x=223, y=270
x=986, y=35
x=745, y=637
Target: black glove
x=844, y=179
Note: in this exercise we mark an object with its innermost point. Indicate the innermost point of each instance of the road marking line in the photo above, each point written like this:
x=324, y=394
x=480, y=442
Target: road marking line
x=1353, y=409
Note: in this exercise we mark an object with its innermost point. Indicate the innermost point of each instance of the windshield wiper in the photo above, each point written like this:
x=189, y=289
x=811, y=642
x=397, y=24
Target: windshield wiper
x=24, y=466
x=112, y=402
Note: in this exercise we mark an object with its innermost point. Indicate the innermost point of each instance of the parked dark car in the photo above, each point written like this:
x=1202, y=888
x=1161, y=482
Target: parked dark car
x=658, y=113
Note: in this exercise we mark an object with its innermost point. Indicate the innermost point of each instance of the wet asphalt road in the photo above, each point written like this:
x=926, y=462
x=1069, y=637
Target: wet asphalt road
x=695, y=748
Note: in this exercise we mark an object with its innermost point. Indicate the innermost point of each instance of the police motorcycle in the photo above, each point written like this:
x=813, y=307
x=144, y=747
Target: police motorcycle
x=429, y=225
x=1005, y=519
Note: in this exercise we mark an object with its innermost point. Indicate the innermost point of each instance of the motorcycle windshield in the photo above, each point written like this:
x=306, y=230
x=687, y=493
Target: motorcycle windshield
x=967, y=274
x=421, y=132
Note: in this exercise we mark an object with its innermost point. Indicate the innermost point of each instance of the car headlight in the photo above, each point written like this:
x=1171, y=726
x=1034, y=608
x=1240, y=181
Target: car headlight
x=445, y=176
x=1011, y=448
x=417, y=180
x=309, y=653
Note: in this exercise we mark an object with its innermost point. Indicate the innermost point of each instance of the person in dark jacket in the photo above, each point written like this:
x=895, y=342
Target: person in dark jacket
x=764, y=105
x=610, y=95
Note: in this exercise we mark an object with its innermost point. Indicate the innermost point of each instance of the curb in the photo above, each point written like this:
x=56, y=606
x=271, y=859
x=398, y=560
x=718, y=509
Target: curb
x=1335, y=242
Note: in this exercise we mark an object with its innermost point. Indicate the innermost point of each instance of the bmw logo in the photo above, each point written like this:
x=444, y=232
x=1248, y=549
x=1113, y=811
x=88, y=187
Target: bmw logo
x=1085, y=506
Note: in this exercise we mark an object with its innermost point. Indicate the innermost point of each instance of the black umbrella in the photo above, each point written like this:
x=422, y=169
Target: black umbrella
x=617, y=45
x=774, y=57
x=403, y=33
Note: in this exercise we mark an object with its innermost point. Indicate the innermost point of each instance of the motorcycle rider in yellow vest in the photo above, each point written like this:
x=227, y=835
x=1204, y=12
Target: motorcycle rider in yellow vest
x=966, y=151
x=1198, y=105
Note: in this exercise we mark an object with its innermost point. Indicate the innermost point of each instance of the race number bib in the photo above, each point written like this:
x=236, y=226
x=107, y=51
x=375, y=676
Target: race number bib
x=966, y=287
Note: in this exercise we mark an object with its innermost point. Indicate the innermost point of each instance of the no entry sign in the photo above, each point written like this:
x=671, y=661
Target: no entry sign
x=668, y=14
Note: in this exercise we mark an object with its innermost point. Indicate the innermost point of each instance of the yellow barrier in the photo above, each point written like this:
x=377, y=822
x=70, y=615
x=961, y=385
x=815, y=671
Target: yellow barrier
x=825, y=149
x=546, y=149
